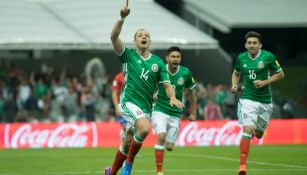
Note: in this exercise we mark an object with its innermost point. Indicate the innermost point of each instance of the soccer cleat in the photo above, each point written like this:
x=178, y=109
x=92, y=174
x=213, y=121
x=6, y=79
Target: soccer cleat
x=160, y=173
x=107, y=171
x=127, y=169
x=242, y=170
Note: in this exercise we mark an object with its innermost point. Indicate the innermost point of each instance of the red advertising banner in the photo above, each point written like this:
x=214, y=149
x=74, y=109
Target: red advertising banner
x=107, y=134
x=27, y=135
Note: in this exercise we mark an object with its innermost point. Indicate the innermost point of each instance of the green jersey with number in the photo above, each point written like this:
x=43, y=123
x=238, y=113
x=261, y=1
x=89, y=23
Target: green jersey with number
x=257, y=68
x=141, y=78
x=180, y=80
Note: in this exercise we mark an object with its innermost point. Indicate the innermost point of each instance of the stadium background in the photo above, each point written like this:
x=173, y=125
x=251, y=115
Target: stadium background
x=55, y=40
x=62, y=49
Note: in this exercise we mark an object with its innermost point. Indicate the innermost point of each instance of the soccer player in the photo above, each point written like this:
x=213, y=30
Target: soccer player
x=117, y=86
x=255, y=104
x=143, y=70
x=165, y=118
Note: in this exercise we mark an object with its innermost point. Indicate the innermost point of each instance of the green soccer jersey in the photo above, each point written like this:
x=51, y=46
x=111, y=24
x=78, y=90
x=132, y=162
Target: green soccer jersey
x=180, y=80
x=257, y=69
x=141, y=78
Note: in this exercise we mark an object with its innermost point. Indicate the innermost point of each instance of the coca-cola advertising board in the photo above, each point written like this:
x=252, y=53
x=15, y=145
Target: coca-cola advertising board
x=27, y=135
x=107, y=134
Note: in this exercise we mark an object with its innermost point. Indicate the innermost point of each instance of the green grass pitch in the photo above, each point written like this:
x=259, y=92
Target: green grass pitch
x=263, y=160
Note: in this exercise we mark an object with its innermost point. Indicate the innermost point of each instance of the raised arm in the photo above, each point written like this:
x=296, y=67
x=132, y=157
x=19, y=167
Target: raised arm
x=118, y=45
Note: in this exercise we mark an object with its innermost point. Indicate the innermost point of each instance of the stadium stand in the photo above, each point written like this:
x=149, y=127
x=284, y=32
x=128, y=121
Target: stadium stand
x=226, y=15
x=62, y=24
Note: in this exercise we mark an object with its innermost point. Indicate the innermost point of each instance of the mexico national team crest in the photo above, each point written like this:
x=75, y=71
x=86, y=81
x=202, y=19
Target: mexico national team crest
x=180, y=81
x=260, y=64
x=154, y=68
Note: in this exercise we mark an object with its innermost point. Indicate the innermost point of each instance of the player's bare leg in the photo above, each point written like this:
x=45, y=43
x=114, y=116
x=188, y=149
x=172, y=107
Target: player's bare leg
x=258, y=133
x=123, y=132
x=261, y=125
x=169, y=146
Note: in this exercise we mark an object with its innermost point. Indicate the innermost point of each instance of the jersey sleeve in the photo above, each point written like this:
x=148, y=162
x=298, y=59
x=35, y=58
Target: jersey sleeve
x=238, y=65
x=190, y=80
x=125, y=55
x=274, y=66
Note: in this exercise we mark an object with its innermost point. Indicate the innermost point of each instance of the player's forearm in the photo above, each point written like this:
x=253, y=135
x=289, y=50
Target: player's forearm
x=235, y=78
x=193, y=101
x=118, y=45
x=115, y=98
x=116, y=30
x=169, y=91
x=278, y=76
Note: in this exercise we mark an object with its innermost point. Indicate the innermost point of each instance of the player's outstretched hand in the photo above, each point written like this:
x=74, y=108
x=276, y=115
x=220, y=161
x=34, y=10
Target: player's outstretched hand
x=124, y=12
x=175, y=102
x=234, y=89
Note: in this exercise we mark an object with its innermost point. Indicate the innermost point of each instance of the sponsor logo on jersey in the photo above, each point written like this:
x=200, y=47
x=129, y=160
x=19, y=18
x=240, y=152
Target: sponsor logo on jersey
x=155, y=68
x=260, y=64
x=180, y=81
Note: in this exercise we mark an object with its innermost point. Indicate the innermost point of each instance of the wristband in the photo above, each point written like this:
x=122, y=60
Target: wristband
x=122, y=19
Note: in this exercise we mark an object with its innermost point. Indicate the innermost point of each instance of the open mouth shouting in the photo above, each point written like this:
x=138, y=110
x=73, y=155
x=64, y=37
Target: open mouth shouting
x=144, y=42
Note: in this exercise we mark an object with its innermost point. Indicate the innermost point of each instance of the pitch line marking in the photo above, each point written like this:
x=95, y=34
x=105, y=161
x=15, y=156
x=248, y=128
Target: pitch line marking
x=153, y=171
x=237, y=160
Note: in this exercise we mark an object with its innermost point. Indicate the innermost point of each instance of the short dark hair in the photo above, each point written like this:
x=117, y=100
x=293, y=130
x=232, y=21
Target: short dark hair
x=253, y=34
x=173, y=48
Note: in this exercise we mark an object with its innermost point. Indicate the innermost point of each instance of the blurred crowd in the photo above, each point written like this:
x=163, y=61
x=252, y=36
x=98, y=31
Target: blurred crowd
x=49, y=95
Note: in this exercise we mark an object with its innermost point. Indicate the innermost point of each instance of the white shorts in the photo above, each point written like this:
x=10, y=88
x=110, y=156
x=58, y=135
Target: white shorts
x=254, y=113
x=131, y=113
x=163, y=123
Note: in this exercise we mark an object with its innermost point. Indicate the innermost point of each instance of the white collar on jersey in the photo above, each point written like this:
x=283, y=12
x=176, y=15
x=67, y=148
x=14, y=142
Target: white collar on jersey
x=256, y=56
x=149, y=56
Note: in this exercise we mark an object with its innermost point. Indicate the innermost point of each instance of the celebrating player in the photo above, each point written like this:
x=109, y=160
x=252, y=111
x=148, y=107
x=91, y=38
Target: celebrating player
x=166, y=118
x=143, y=70
x=255, y=104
